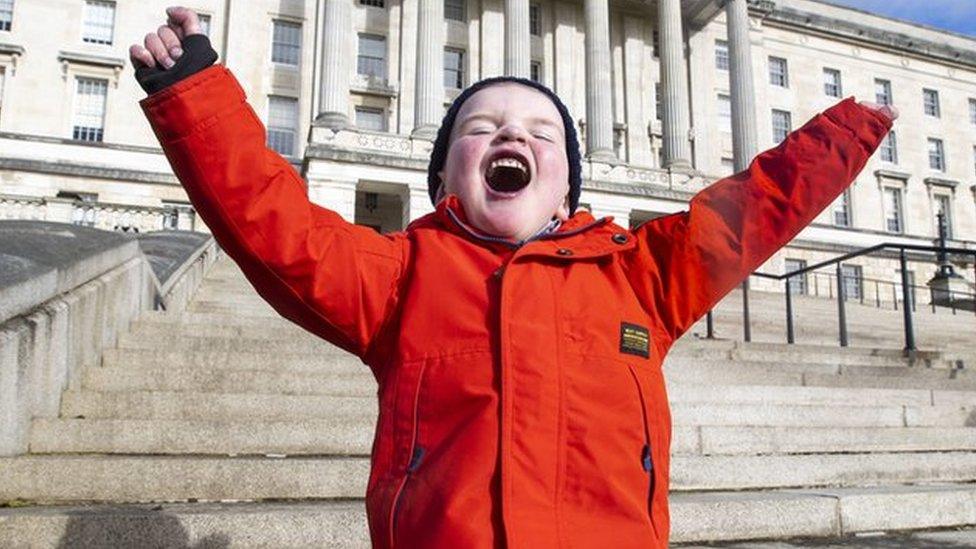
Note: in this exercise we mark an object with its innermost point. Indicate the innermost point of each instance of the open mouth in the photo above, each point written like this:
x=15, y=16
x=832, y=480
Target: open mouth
x=508, y=174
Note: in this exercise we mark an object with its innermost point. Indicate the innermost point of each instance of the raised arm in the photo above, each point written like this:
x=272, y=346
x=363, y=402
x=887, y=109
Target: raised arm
x=335, y=279
x=686, y=262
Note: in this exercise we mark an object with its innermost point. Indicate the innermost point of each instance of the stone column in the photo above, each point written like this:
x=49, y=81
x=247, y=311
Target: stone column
x=334, y=84
x=518, y=51
x=599, y=113
x=742, y=87
x=430, y=69
x=674, y=86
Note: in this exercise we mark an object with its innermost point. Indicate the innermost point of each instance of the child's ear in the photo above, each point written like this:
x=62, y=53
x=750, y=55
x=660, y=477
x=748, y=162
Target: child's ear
x=562, y=213
x=439, y=195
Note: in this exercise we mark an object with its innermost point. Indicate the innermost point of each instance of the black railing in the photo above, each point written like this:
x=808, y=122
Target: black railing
x=951, y=299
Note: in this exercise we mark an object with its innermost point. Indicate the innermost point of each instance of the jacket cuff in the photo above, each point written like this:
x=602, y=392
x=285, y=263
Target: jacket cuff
x=178, y=110
x=867, y=125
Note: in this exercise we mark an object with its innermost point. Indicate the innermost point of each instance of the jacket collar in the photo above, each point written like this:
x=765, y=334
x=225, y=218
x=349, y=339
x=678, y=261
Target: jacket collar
x=581, y=236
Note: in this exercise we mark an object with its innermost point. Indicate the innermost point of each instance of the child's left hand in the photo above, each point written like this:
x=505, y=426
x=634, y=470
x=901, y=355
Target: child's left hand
x=889, y=111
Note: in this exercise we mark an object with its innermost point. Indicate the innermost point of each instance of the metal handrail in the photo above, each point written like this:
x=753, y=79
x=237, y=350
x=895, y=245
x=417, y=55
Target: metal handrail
x=942, y=252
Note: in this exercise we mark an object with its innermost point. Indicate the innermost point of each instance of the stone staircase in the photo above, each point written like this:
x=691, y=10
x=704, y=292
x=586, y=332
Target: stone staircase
x=228, y=425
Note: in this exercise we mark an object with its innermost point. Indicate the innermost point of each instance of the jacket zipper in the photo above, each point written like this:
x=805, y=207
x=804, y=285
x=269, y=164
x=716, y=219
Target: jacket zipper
x=416, y=456
x=646, y=458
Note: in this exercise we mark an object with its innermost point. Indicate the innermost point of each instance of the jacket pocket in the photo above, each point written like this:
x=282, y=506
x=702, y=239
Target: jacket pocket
x=646, y=455
x=417, y=452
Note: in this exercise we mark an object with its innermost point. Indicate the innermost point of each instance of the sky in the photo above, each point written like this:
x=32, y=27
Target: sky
x=954, y=15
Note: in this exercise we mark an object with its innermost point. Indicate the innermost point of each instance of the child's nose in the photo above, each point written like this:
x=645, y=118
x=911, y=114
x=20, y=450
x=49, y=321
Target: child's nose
x=512, y=132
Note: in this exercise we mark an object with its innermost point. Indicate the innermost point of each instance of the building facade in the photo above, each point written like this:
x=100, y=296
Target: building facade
x=669, y=96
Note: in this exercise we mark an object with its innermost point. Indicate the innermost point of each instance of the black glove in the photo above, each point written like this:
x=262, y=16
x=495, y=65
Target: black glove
x=197, y=55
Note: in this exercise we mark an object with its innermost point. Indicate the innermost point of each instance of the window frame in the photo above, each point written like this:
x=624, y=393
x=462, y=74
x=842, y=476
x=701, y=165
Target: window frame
x=723, y=100
x=893, y=212
x=940, y=152
x=270, y=127
x=366, y=61
x=857, y=275
x=86, y=133
x=789, y=124
x=930, y=103
x=797, y=285
x=285, y=62
x=827, y=84
x=7, y=25
x=535, y=20
x=720, y=57
x=842, y=206
x=937, y=197
x=785, y=75
x=90, y=39
x=461, y=76
x=381, y=112
x=889, y=148
x=456, y=7
x=888, y=98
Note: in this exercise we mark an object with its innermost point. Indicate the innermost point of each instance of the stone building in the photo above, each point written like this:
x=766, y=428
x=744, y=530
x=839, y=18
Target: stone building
x=352, y=91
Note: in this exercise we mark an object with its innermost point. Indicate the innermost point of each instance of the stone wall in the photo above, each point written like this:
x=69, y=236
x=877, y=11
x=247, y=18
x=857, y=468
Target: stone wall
x=66, y=293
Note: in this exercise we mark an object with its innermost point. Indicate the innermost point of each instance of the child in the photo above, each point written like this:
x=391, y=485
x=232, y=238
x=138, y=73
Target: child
x=517, y=342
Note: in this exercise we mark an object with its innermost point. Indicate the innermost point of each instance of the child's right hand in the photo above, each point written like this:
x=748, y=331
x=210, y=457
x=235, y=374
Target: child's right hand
x=175, y=51
x=889, y=111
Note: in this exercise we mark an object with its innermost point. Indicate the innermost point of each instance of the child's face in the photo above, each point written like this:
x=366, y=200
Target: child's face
x=505, y=121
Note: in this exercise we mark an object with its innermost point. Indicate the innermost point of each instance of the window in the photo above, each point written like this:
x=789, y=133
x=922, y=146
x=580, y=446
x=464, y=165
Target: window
x=832, y=86
x=282, y=124
x=841, y=209
x=655, y=42
x=853, y=281
x=722, y=55
x=99, y=22
x=798, y=283
x=936, y=155
x=454, y=10
x=782, y=125
x=778, y=72
x=535, y=71
x=6, y=14
x=657, y=101
x=882, y=91
x=974, y=146
x=372, y=119
x=286, y=42
x=972, y=112
x=893, y=210
x=453, y=68
x=889, y=148
x=931, y=99
x=372, y=3
x=728, y=166
x=372, y=56
x=89, y=114
x=943, y=205
x=724, y=113
x=535, y=20
x=3, y=75
x=204, y=23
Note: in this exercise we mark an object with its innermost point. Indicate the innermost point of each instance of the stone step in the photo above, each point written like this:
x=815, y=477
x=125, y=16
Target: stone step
x=218, y=319
x=333, y=524
x=231, y=344
x=695, y=517
x=731, y=440
x=336, y=362
x=333, y=436
x=831, y=512
x=277, y=407
x=180, y=378
x=743, y=472
x=145, y=327
x=254, y=311
x=124, y=479
x=211, y=406
x=111, y=478
x=352, y=435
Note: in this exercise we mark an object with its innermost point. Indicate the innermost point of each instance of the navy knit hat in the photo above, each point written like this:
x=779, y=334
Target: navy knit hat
x=439, y=154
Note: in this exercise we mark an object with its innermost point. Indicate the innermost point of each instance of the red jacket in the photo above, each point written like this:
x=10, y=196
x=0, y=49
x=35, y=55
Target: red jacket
x=522, y=402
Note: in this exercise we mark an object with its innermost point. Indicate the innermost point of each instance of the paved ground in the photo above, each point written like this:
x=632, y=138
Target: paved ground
x=948, y=539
